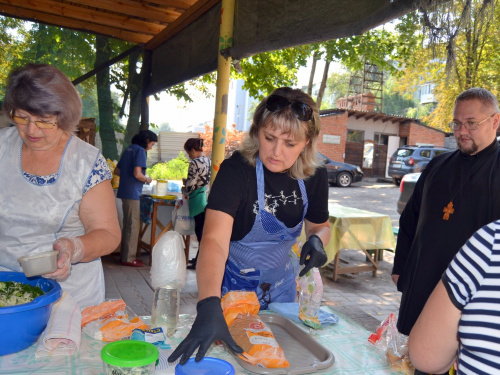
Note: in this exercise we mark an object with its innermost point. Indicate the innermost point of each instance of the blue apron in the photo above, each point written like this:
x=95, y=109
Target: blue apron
x=263, y=261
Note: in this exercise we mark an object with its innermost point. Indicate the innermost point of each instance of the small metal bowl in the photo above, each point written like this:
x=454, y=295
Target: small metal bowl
x=39, y=263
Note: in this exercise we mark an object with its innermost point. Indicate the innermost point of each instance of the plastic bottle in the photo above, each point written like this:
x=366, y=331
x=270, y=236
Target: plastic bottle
x=165, y=311
x=310, y=294
x=168, y=277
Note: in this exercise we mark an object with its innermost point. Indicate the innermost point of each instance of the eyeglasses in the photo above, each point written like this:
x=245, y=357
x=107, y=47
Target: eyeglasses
x=277, y=102
x=21, y=120
x=469, y=125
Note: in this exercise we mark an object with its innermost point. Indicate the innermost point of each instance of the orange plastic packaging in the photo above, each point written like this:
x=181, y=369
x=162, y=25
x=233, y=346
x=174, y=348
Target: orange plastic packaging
x=109, y=321
x=260, y=347
x=103, y=310
x=118, y=329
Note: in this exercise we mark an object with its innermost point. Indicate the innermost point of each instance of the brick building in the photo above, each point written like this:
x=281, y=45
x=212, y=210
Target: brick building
x=366, y=138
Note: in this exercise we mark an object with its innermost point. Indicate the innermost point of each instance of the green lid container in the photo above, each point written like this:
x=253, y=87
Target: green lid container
x=129, y=353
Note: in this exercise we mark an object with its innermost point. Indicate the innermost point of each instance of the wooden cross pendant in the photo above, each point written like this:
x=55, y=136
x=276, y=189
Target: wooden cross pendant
x=448, y=210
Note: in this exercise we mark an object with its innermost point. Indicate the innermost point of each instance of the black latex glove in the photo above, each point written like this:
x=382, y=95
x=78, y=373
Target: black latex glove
x=317, y=256
x=208, y=327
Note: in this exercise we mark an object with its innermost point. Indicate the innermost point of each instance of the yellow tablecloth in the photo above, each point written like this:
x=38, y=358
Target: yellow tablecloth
x=357, y=229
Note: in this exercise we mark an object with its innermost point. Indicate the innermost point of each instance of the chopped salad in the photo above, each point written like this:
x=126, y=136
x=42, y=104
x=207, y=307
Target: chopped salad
x=15, y=293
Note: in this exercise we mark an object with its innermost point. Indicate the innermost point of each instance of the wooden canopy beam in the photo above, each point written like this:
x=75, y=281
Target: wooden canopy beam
x=74, y=24
x=180, y=23
x=135, y=9
x=44, y=10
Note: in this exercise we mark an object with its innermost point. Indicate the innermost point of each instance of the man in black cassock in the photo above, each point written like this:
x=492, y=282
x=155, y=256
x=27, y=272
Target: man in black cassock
x=456, y=194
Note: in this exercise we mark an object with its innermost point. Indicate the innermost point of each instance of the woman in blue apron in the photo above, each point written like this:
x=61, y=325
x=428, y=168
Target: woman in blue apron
x=262, y=196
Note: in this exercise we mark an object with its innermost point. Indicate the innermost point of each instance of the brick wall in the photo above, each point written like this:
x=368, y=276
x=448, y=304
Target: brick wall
x=422, y=134
x=333, y=125
x=365, y=102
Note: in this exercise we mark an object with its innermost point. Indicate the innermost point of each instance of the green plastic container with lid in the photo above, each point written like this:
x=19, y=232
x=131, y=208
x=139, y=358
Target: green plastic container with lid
x=129, y=357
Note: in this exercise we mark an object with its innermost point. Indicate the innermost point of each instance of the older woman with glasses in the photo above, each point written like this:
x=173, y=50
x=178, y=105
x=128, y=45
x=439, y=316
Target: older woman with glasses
x=56, y=190
x=262, y=196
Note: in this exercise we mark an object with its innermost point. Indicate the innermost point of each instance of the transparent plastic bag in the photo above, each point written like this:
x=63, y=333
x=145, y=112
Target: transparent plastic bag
x=169, y=261
x=389, y=340
x=114, y=325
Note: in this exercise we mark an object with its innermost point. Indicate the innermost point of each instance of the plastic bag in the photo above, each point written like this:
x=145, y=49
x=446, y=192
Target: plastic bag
x=388, y=339
x=111, y=321
x=169, y=261
x=182, y=222
x=260, y=347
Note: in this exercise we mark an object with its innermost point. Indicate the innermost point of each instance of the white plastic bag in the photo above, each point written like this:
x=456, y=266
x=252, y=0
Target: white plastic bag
x=182, y=222
x=169, y=261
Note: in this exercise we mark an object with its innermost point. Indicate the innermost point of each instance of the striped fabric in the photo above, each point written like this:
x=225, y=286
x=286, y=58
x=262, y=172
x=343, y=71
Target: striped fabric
x=473, y=284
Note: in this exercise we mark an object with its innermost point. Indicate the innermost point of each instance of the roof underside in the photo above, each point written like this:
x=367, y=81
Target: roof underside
x=183, y=35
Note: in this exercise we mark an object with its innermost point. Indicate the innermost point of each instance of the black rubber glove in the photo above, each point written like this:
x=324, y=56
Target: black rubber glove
x=317, y=256
x=208, y=327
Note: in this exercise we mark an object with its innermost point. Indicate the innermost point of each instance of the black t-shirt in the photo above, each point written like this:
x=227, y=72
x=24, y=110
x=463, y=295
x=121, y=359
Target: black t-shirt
x=234, y=192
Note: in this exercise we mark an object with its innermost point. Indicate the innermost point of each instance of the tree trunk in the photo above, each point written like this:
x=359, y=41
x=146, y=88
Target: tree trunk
x=313, y=71
x=323, y=84
x=135, y=88
x=104, y=100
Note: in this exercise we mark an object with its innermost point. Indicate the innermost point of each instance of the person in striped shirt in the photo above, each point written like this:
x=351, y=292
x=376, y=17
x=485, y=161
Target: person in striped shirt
x=460, y=322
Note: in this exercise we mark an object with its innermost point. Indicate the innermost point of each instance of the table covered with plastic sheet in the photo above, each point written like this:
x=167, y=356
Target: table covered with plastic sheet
x=347, y=340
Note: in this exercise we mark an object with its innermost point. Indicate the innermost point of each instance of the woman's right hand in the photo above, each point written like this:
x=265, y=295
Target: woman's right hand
x=71, y=250
x=208, y=327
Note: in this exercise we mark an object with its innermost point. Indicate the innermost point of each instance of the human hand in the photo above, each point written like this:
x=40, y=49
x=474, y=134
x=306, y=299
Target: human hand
x=395, y=279
x=312, y=254
x=208, y=327
x=71, y=250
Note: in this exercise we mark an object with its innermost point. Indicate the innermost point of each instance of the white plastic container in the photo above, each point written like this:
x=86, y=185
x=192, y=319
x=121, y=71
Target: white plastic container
x=161, y=187
x=39, y=264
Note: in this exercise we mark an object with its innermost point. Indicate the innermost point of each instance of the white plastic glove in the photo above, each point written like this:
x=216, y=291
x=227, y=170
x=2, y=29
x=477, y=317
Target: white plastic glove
x=71, y=251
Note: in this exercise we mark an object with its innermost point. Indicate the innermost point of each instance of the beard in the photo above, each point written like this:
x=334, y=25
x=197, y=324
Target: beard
x=469, y=150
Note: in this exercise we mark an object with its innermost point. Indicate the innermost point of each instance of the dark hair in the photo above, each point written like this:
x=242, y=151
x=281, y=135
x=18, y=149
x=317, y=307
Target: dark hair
x=193, y=144
x=484, y=96
x=287, y=121
x=144, y=137
x=41, y=90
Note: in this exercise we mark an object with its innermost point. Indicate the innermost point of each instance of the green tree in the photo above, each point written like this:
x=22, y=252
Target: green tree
x=336, y=87
x=459, y=52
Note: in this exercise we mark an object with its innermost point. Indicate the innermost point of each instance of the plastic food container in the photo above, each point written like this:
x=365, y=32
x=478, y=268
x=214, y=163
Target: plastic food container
x=129, y=357
x=39, y=264
x=161, y=187
x=23, y=324
x=207, y=365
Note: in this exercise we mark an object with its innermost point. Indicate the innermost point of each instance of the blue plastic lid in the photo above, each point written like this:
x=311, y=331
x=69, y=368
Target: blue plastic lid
x=208, y=366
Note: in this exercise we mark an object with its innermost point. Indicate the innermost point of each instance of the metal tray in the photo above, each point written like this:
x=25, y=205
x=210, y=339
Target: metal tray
x=304, y=353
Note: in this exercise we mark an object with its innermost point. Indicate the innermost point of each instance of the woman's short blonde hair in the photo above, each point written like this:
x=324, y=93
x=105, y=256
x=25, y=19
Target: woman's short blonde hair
x=286, y=120
x=42, y=90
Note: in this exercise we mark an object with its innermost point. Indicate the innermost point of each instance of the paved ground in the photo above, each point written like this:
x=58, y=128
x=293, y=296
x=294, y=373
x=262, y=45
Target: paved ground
x=363, y=298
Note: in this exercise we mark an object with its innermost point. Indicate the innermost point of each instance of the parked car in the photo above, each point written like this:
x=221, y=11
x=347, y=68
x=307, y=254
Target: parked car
x=411, y=159
x=406, y=188
x=341, y=174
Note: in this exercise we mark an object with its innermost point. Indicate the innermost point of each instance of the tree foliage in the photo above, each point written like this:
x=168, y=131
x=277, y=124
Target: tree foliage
x=175, y=169
x=233, y=140
x=459, y=51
